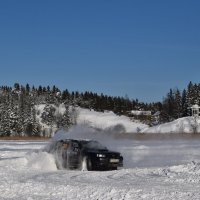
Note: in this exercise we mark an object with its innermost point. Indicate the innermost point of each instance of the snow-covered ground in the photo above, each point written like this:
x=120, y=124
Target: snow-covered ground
x=154, y=169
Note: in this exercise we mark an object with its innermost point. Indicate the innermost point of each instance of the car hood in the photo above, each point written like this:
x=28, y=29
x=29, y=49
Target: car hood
x=101, y=151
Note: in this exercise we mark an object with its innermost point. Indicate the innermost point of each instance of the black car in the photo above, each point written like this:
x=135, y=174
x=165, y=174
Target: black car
x=84, y=154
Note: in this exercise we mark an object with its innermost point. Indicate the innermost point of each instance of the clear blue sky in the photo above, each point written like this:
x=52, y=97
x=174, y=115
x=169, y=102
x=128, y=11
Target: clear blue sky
x=139, y=48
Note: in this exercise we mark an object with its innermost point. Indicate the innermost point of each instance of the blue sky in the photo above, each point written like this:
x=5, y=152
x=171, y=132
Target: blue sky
x=138, y=48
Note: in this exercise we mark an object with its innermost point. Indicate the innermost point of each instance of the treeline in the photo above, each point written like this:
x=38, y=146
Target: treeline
x=177, y=104
x=21, y=113
x=174, y=105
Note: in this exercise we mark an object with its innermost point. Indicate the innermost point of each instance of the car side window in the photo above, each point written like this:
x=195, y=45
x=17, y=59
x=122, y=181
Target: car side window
x=75, y=147
x=65, y=146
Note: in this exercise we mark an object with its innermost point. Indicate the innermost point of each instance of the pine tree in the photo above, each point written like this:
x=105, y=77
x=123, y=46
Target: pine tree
x=178, y=104
x=64, y=121
x=184, y=104
x=16, y=86
x=48, y=115
x=27, y=89
x=168, y=111
x=36, y=127
x=5, y=119
x=190, y=94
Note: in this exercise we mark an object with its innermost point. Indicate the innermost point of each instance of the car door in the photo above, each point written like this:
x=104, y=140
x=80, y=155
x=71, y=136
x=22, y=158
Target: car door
x=74, y=154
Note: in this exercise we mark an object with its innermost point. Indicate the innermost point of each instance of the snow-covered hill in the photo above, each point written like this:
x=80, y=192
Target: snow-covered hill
x=99, y=120
x=108, y=120
x=181, y=125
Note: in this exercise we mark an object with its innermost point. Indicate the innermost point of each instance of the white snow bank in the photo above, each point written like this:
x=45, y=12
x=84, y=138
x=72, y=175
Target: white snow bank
x=192, y=168
x=187, y=173
x=107, y=120
x=41, y=161
x=182, y=125
x=32, y=161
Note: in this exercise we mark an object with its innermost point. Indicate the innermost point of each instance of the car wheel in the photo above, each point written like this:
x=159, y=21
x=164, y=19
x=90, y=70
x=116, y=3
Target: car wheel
x=89, y=164
x=58, y=164
x=86, y=164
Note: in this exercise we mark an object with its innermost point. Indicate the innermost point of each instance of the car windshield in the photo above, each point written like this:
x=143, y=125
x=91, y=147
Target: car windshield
x=95, y=145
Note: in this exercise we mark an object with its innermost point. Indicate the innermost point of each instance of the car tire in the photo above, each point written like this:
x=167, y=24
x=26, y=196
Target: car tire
x=89, y=164
x=86, y=164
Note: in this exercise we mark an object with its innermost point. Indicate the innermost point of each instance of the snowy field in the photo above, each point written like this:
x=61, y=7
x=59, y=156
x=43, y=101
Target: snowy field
x=161, y=166
x=154, y=169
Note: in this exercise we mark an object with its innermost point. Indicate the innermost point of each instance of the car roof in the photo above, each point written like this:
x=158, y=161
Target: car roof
x=76, y=140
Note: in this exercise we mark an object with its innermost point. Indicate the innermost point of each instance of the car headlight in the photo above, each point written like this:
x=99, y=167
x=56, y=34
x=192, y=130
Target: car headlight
x=101, y=155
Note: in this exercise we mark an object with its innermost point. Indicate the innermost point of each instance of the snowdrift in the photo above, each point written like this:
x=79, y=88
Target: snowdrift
x=182, y=125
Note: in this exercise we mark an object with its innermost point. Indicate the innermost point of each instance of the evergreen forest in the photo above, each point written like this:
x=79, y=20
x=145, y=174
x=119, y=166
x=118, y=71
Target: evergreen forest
x=19, y=107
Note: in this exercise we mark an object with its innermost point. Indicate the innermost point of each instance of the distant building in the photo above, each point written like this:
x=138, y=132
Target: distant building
x=156, y=118
x=147, y=117
x=140, y=112
x=195, y=110
x=143, y=116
